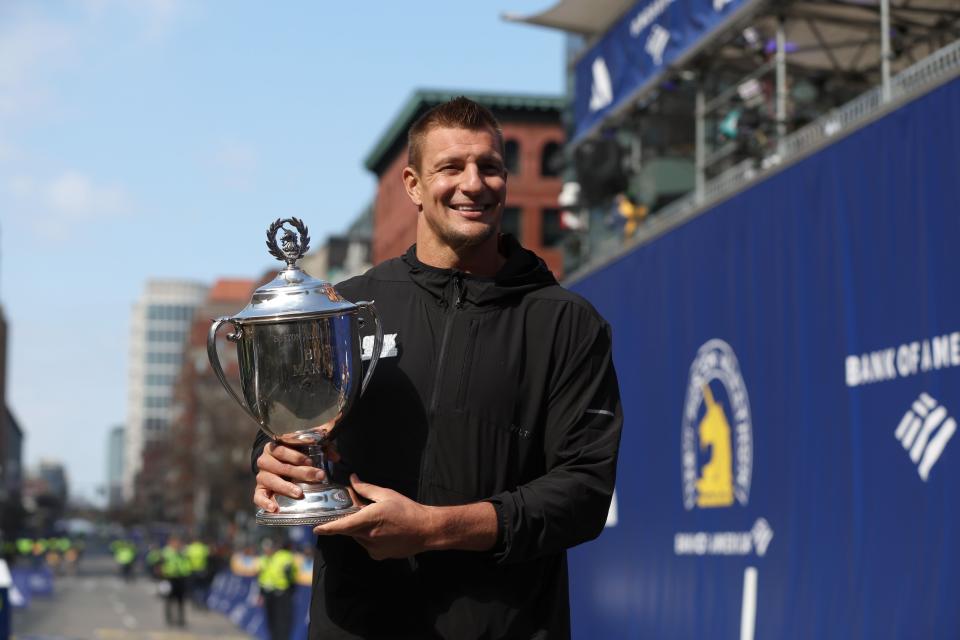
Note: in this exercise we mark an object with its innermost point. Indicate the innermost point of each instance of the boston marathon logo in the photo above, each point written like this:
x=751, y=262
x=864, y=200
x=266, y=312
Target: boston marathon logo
x=717, y=436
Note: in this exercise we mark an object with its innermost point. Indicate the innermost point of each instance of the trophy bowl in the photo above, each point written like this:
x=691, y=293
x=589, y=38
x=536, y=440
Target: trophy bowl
x=299, y=361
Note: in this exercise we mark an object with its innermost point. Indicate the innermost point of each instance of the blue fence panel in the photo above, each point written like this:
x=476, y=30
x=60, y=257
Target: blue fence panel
x=237, y=598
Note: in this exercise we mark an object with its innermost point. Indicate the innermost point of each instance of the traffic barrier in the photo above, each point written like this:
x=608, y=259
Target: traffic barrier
x=238, y=598
x=28, y=583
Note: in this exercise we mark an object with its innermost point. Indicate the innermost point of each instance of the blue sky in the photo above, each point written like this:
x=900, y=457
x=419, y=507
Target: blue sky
x=159, y=138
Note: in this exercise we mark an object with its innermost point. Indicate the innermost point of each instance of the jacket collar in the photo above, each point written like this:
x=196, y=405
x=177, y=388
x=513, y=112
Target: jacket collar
x=522, y=272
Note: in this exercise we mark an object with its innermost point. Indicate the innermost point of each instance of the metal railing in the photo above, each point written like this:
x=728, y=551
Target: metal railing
x=938, y=67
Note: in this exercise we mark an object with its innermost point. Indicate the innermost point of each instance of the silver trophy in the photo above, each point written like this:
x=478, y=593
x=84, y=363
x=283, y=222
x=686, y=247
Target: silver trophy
x=299, y=358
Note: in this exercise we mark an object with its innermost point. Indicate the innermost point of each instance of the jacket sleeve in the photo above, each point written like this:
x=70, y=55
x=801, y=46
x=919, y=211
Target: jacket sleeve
x=568, y=504
x=258, y=444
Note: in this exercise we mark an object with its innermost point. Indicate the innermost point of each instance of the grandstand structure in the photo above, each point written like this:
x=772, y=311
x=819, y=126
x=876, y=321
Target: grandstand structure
x=806, y=72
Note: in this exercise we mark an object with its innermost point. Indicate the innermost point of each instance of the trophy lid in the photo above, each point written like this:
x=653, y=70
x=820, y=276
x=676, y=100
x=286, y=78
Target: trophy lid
x=293, y=294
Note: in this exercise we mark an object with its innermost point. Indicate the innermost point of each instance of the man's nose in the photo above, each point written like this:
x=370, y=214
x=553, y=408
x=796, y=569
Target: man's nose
x=471, y=182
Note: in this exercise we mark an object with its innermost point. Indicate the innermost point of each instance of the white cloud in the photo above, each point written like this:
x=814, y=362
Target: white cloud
x=72, y=194
x=58, y=204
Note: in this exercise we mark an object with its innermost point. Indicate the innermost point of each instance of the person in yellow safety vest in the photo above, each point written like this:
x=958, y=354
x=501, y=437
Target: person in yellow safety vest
x=24, y=547
x=175, y=569
x=153, y=561
x=278, y=575
x=124, y=553
x=199, y=554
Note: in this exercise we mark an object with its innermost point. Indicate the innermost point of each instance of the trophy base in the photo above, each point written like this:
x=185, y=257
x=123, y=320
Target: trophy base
x=320, y=503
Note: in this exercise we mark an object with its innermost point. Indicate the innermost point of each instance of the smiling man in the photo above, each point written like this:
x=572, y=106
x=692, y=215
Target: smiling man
x=487, y=445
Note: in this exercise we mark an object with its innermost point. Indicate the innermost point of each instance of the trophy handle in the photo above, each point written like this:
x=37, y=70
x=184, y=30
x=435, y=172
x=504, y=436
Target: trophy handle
x=377, y=342
x=215, y=360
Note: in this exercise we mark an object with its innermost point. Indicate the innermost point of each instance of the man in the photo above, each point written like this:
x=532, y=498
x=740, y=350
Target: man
x=487, y=446
x=124, y=554
x=277, y=579
x=175, y=569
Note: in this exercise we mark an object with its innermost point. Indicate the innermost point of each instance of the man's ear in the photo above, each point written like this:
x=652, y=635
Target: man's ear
x=411, y=182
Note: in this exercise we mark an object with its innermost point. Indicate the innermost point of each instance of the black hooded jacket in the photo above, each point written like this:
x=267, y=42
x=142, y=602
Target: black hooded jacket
x=500, y=389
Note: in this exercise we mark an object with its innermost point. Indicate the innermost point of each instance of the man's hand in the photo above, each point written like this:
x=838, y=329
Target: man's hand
x=280, y=467
x=394, y=526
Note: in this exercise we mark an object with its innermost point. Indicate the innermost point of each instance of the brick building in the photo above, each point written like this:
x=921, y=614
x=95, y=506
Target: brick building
x=533, y=140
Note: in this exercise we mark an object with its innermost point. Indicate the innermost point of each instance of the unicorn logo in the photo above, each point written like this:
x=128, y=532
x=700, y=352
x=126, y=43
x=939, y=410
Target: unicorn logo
x=717, y=432
x=715, y=486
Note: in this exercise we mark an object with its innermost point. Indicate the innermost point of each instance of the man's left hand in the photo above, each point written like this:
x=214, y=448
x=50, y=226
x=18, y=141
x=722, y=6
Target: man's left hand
x=391, y=526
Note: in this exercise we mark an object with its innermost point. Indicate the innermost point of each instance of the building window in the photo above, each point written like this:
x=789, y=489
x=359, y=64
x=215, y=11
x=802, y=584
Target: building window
x=510, y=222
x=163, y=357
x=176, y=312
x=550, y=160
x=511, y=156
x=551, y=231
x=156, y=402
x=165, y=335
x=155, y=424
x=159, y=380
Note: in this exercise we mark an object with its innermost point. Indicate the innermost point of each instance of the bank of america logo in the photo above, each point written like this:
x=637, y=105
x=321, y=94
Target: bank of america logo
x=925, y=431
x=601, y=90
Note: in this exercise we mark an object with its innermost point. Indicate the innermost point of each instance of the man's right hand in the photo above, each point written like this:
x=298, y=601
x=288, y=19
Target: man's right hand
x=280, y=468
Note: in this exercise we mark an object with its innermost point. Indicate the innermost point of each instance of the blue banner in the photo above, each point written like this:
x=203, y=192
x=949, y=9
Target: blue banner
x=790, y=369
x=637, y=49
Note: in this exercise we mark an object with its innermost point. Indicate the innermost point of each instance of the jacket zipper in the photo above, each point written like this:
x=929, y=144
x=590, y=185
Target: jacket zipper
x=467, y=364
x=458, y=290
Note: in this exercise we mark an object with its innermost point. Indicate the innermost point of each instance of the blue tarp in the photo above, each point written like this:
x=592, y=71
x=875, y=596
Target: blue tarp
x=790, y=370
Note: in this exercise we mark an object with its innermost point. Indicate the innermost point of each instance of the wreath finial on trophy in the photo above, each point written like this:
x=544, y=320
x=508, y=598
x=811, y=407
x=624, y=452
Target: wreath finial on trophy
x=291, y=247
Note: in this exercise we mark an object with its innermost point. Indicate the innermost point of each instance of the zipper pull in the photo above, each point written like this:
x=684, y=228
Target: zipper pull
x=459, y=288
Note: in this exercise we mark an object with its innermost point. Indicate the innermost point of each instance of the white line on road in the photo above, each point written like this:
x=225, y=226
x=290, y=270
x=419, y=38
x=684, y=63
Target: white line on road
x=748, y=611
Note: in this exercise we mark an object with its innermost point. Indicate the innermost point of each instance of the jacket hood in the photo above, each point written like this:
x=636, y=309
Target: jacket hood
x=523, y=272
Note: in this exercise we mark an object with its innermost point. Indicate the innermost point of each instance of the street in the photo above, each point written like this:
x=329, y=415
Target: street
x=97, y=605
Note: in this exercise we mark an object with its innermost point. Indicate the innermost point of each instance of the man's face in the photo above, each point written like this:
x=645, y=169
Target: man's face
x=460, y=186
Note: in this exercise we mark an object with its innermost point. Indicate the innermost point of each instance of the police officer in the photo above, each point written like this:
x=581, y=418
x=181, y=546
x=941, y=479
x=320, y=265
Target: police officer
x=175, y=569
x=278, y=575
x=199, y=554
x=153, y=561
x=124, y=553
